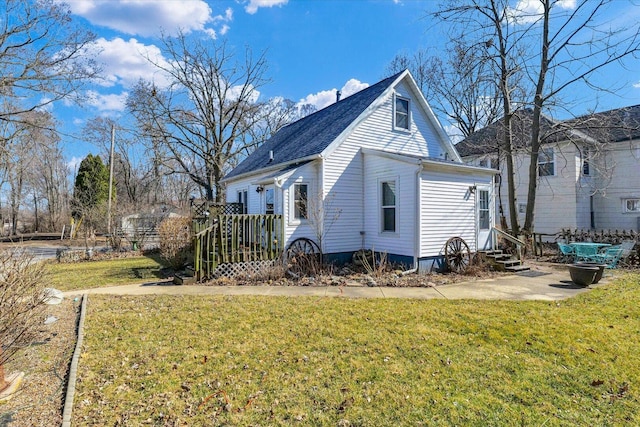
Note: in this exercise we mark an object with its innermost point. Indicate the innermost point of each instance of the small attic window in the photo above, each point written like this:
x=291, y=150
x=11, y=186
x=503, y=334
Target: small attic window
x=401, y=116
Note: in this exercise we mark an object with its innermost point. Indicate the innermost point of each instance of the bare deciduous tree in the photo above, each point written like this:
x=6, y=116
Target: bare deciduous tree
x=201, y=117
x=461, y=87
x=43, y=56
x=550, y=48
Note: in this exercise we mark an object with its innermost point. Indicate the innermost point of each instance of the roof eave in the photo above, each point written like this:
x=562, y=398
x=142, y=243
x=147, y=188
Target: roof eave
x=272, y=168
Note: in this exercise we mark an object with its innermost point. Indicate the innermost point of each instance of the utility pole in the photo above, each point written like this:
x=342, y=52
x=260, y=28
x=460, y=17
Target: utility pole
x=113, y=139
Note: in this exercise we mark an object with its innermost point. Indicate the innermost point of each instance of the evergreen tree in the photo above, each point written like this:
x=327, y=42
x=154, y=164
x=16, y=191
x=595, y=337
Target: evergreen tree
x=91, y=188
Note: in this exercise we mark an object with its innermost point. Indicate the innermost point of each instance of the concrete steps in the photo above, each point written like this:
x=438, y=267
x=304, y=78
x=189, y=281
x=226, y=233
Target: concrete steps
x=186, y=277
x=504, y=262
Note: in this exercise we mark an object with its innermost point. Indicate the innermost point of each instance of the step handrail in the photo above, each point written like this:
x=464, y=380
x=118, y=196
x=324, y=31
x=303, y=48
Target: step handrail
x=519, y=243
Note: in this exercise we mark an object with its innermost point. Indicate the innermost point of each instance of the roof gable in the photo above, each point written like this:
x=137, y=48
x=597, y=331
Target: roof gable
x=312, y=134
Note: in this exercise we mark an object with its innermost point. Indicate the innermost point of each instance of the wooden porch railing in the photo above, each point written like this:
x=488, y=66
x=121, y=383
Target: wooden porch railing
x=520, y=245
x=237, y=238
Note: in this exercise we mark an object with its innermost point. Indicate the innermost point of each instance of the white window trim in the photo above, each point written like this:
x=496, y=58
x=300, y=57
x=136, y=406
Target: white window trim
x=624, y=205
x=398, y=128
x=553, y=161
x=292, y=204
x=381, y=231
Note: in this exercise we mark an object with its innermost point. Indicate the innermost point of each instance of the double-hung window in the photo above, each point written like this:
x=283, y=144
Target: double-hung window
x=401, y=119
x=388, y=206
x=300, y=201
x=546, y=162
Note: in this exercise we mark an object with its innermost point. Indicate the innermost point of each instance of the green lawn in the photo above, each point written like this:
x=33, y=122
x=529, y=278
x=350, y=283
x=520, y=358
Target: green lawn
x=248, y=361
x=95, y=274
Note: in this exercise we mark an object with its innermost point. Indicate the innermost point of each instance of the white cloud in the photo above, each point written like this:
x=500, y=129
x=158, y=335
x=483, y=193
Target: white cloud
x=636, y=85
x=145, y=17
x=254, y=5
x=74, y=163
x=125, y=62
x=530, y=11
x=107, y=103
x=327, y=97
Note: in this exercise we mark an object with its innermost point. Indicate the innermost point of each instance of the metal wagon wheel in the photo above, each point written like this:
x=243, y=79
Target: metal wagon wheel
x=302, y=257
x=457, y=255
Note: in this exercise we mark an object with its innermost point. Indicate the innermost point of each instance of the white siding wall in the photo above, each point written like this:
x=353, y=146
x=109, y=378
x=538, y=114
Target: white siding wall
x=245, y=184
x=623, y=164
x=558, y=199
x=379, y=169
x=307, y=174
x=343, y=174
x=447, y=210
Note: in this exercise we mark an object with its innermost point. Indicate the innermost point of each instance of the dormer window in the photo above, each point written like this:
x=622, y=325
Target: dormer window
x=401, y=116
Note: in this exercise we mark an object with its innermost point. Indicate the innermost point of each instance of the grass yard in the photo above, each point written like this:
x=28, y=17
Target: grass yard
x=96, y=274
x=248, y=361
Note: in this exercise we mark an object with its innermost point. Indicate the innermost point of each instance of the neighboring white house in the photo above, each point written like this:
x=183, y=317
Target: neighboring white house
x=381, y=168
x=589, y=169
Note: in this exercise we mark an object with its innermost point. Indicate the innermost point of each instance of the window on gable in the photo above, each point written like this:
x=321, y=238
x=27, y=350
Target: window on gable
x=546, y=162
x=300, y=201
x=388, y=206
x=401, y=113
x=631, y=205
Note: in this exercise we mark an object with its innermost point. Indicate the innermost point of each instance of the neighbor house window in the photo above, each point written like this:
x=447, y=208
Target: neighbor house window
x=546, y=162
x=401, y=113
x=631, y=205
x=269, y=201
x=388, y=205
x=522, y=208
x=300, y=200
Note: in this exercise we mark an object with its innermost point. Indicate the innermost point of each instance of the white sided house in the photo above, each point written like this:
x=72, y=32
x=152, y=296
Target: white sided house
x=588, y=170
x=372, y=171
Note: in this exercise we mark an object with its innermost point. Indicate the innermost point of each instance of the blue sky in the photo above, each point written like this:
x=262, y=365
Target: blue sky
x=313, y=47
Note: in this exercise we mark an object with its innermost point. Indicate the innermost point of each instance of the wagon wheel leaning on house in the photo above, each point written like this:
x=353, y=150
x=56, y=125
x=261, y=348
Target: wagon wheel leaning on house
x=457, y=255
x=302, y=257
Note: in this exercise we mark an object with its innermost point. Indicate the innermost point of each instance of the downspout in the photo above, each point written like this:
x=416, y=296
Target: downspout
x=362, y=201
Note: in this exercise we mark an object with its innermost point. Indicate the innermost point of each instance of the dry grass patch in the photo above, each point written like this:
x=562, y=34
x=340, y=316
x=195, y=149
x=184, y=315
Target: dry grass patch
x=325, y=361
x=96, y=274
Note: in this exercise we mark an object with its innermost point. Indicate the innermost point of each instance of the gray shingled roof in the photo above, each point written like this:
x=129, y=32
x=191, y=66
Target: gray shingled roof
x=312, y=134
x=617, y=125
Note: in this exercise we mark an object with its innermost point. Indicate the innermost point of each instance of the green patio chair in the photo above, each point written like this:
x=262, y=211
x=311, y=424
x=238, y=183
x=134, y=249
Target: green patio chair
x=567, y=252
x=610, y=256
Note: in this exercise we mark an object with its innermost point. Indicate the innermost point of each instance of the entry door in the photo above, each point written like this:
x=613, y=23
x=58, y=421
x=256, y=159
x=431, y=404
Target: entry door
x=484, y=217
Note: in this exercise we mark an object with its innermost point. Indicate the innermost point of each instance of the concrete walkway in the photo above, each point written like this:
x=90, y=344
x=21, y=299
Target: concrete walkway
x=542, y=282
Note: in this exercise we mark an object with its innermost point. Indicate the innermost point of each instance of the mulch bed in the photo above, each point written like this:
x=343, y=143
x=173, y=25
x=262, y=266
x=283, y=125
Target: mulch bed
x=40, y=399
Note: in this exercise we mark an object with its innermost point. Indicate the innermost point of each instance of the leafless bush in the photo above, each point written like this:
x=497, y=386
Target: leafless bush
x=375, y=264
x=175, y=241
x=22, y=300
x=265, y=273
